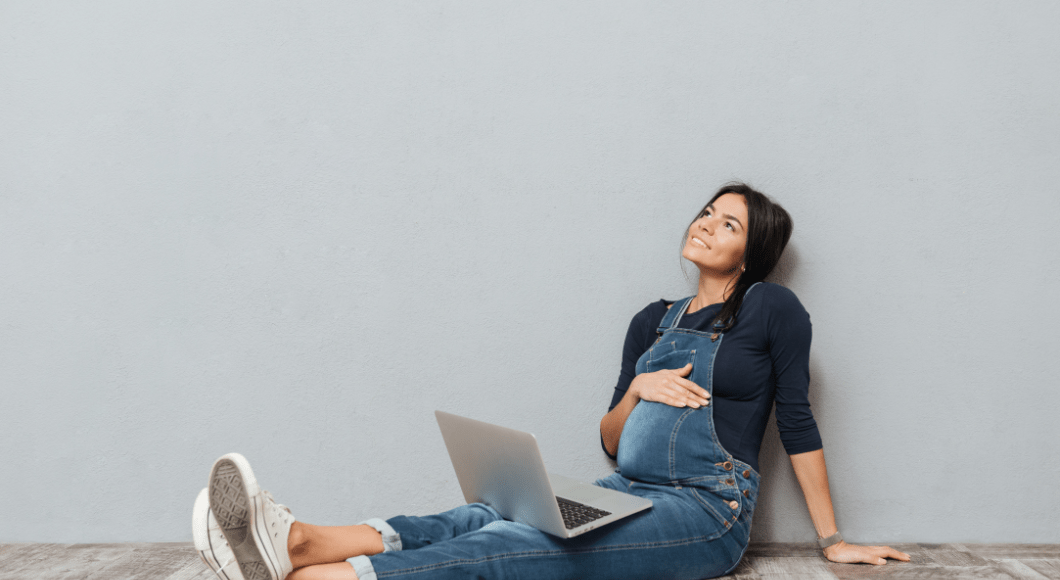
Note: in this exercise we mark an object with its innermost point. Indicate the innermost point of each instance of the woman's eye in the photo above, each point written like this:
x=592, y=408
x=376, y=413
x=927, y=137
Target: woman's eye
x=729, y=225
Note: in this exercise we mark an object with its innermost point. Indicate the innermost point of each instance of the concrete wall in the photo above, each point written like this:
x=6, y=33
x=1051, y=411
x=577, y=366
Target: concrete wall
x=296, y=229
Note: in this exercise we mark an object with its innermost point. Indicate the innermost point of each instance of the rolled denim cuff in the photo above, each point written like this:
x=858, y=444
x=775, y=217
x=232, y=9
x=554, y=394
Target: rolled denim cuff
x=391, y=539
x=362, y=566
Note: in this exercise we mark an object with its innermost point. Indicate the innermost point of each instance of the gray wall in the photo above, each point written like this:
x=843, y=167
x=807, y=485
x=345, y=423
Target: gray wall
x=296, y=229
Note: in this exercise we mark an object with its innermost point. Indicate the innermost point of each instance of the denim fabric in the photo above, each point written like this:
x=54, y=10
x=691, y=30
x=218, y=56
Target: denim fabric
x=698, y=526
x=391, y=539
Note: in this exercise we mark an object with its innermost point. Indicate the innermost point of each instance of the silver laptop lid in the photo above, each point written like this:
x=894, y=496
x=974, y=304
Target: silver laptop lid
x=503, y=469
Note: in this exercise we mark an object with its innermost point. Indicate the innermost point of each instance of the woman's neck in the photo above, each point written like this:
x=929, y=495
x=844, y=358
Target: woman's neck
x=712, y=290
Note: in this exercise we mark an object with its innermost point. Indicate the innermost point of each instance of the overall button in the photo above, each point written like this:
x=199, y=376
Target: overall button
x=734, y=504
x=746, y=493
x=747, y=473
x=727, y=466
x=730, y=482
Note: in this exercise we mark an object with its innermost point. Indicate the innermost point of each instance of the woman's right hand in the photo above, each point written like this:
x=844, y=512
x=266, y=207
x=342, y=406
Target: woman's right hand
x=669, y=386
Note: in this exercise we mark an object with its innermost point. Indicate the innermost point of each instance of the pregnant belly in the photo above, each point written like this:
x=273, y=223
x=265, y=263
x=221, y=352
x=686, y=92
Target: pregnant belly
x=646, y=449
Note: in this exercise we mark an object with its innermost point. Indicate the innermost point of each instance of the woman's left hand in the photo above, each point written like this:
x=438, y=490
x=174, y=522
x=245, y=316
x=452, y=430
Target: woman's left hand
x=845, y=553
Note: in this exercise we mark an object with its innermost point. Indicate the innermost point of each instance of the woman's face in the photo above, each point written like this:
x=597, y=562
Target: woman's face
x=716, y=240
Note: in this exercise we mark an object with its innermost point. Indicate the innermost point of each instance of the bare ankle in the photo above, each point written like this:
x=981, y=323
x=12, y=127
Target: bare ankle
x=298, y=540
x=372, y=540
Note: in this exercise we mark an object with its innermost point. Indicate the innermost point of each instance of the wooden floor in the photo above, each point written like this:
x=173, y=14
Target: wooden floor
x=762, y=561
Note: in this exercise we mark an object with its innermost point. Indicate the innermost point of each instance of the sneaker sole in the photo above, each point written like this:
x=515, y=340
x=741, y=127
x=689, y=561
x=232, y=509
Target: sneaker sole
x=201, y=518
x=232, y=487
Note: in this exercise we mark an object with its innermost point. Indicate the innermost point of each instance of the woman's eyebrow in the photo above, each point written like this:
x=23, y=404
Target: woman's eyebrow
x=733, y=218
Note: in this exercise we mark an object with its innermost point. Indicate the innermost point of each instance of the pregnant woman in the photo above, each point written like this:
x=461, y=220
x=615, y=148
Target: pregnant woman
x=699, y=379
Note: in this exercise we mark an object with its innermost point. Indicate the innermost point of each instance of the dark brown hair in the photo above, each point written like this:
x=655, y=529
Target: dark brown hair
x=768, y=231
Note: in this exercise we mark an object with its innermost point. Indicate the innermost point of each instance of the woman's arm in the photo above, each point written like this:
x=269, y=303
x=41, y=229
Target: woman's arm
x=615, y=419
x=812, y=474
x=665, y=386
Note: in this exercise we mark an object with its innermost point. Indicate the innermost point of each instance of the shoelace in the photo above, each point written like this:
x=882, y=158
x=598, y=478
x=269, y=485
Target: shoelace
x=215, y=528
x=232, y=560
x=268, y=496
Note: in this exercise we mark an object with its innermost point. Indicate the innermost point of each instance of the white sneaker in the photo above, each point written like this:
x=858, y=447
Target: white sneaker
x=255, y=526
x=210, y=541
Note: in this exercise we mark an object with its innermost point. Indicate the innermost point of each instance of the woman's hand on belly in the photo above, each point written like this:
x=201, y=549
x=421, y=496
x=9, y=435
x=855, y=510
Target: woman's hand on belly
x=670, y=387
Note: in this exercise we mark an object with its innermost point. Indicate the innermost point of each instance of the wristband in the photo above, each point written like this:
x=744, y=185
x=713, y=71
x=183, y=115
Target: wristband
x=830, y=540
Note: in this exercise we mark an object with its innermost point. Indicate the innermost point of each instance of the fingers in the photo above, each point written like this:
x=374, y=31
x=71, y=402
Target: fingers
x=694, y=389
x=877, y=555
x=674, y=395
x=689, y=385
x=691, y=393
x=670, y=387
x=685, y=397
x=889, y=552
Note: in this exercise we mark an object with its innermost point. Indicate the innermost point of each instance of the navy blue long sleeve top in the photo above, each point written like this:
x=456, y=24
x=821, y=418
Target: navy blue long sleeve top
x=763, y=359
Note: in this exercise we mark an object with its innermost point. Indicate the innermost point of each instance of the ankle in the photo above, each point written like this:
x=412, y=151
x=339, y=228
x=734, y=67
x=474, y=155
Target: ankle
x=298, y=540
x=372, y=540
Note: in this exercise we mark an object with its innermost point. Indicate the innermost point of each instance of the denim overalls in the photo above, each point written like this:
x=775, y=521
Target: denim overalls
x=698, y=526
x=678, y=445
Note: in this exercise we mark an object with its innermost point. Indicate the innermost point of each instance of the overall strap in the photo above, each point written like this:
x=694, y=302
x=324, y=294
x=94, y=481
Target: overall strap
x=677, y=310
x=673, y=315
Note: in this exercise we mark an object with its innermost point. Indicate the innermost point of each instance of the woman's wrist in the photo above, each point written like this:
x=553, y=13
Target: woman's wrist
x=633, y=392
x=833, y=548
x=832, y=538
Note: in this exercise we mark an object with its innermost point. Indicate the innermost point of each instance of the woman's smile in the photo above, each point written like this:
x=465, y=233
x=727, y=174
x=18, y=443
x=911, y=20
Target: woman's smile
x=717, y=238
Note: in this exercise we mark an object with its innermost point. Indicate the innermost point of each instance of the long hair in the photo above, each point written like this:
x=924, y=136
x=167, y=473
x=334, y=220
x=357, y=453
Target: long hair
x=768, y=231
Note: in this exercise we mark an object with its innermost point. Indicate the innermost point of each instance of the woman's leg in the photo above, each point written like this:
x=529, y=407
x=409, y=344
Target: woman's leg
x=309, y=544
x=318, y=552
x=338, y=571
x=677, y=539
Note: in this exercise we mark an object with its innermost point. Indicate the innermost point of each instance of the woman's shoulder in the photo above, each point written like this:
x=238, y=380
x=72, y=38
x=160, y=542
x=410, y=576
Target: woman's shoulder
x=773, y=295
x=775, y=304
x=642, y=328
x=652, y=314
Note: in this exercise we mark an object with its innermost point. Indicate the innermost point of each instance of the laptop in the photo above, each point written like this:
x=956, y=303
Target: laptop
x=503, y=469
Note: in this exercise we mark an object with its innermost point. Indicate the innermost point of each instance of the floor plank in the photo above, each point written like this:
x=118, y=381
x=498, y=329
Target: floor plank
x=777, y=549
x=59, y=561
x=1050, y=568
x=1014, y=551
x=147, y=563
x=939, y=572
x=193, y=570
x=864, y=571
x=791, y=568
x=179, y=561
x=953, y=555
x=743, y=571
x=1020, y=571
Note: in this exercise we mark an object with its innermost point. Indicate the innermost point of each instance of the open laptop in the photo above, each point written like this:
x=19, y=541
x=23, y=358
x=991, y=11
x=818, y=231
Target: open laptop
x=503, y=469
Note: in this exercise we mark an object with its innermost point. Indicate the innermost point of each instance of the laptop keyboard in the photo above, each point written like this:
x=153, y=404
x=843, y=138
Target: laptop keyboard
x=576, y=514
